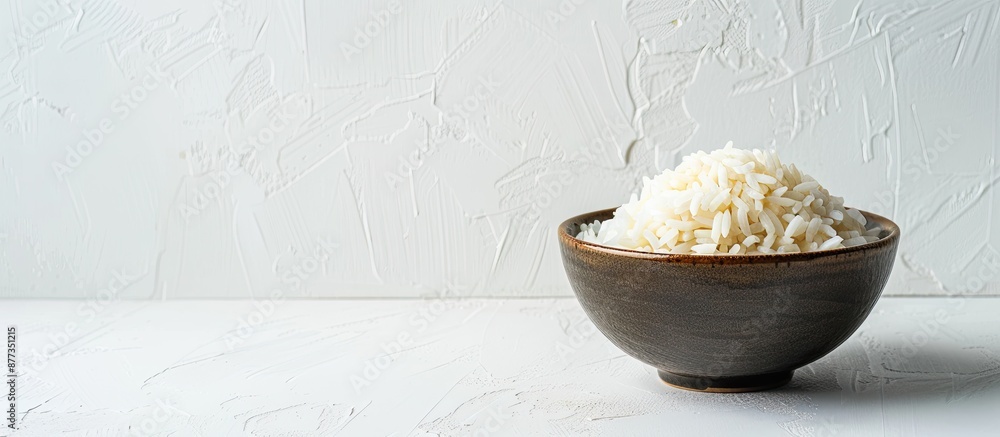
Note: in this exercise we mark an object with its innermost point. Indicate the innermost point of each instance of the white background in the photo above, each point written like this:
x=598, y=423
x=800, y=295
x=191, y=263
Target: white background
x=227, y=149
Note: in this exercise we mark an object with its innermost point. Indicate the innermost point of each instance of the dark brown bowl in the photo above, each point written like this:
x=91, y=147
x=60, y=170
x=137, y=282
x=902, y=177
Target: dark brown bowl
x=727, y=323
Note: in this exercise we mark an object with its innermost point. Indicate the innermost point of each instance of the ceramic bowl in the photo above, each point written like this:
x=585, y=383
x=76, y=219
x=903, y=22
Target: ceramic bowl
x=727, y=323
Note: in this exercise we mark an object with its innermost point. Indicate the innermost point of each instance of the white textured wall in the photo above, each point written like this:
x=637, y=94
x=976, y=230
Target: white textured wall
x=349, y=148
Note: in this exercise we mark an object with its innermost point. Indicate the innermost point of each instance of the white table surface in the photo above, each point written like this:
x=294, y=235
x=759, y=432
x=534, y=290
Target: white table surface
x=919, y=366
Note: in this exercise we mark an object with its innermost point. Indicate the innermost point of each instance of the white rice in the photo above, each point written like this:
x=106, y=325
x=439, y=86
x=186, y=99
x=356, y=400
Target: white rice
x=731, y=201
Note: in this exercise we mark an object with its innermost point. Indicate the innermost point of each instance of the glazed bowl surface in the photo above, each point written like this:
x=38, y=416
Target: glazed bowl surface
x=727, y=323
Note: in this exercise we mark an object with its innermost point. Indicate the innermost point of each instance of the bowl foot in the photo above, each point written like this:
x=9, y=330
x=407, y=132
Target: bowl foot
x=727, y=384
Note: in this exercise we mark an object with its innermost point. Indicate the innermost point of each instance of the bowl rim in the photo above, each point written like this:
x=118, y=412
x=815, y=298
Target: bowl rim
x=568, y=240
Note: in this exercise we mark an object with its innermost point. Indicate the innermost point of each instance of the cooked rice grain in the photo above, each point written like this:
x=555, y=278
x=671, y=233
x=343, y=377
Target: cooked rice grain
x=731, y=201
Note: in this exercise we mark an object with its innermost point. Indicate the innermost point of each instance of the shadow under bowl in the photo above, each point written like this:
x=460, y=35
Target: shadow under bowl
x=727, y=323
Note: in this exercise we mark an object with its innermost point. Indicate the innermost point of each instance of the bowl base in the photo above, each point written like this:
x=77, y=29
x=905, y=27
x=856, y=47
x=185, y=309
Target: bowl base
x=727, y=384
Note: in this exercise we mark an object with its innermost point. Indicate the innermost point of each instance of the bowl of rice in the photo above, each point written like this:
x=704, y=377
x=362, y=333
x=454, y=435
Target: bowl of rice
x=730, y=271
